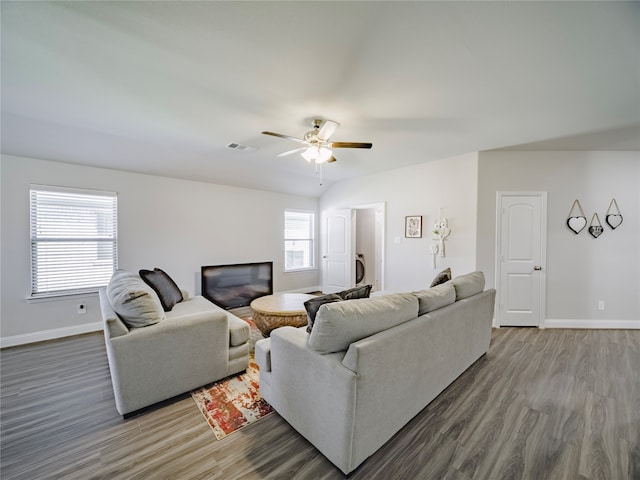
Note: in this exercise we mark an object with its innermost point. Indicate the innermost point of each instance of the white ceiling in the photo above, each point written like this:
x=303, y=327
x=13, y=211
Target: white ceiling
x=163, y=87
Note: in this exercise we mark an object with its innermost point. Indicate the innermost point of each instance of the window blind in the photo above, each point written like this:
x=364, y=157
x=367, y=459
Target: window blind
x=298, y=240
x=73, y=240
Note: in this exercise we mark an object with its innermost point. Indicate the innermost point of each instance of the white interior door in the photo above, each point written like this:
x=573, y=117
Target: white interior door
x=520, y=255
x=338, y=257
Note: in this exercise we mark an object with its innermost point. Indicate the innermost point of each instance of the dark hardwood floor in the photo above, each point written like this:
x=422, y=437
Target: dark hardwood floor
x=542, y=404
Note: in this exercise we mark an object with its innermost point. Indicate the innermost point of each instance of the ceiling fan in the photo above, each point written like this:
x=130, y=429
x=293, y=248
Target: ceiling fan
x=316, y=145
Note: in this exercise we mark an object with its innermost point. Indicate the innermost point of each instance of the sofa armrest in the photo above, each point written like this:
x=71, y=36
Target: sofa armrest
x=112, y=324
x=290, y=350
x=263, y=354
x=315, y=393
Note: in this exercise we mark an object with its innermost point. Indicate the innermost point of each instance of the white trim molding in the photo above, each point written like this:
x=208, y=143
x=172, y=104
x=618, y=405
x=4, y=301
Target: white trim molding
x=595, y=324
x=53, y=334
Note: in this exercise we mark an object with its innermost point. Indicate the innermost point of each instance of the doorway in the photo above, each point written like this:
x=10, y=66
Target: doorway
x=521, y=219
x=350, y=236
x=369, y=244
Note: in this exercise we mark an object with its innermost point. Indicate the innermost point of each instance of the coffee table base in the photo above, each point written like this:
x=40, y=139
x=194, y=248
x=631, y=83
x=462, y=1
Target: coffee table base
x=267, y=323
x=279, y=310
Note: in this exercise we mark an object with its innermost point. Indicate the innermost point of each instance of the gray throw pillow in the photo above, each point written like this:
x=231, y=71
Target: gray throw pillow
x=133, y=300
x=442, y=277
x=313, y=304
x=167, y=290
x=356, y=292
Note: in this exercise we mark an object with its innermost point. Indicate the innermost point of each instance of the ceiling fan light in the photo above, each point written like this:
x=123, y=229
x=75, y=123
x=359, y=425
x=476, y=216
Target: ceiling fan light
x=324, y=154
x=310, y=154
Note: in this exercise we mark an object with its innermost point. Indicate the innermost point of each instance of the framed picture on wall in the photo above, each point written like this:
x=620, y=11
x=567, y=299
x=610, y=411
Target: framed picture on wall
x=413, y=226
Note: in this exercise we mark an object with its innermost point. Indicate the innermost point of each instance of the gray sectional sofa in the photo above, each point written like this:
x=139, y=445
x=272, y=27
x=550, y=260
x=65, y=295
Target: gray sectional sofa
x=155, y=355
x=370, y=365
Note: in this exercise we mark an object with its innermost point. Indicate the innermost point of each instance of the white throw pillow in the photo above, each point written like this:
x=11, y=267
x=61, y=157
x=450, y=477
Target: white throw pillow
x=133, y=300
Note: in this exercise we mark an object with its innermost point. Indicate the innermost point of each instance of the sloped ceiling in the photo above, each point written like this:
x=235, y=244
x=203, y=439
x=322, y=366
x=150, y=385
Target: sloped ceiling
x=164, y=87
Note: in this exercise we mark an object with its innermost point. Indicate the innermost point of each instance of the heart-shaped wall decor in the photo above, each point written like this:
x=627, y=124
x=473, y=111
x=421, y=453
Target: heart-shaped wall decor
x=595, y=231
x=576, y=224
x=614, y=221
x=595, y=228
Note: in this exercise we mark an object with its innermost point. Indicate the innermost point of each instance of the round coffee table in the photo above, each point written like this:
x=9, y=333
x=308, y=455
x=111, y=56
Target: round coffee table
x=278, y=310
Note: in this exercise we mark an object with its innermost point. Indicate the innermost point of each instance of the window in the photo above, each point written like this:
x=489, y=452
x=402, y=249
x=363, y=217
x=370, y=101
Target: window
x=73, y=240
x=298, y=240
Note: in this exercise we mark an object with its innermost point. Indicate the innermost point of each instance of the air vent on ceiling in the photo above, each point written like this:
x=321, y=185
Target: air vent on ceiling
x=240, y=147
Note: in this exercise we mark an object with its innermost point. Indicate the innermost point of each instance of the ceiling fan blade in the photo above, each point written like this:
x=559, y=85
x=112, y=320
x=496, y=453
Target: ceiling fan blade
x=298, y=140
x=332, y=159
x=289, y=152
x=350, y=145
x=327, y=129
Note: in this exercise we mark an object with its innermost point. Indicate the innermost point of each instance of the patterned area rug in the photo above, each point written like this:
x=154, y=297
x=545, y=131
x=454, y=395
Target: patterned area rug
x=235, y=402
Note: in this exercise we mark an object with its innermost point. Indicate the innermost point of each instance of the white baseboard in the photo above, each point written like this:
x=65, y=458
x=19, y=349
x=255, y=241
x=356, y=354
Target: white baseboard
x=599, y=324
x=23, y=339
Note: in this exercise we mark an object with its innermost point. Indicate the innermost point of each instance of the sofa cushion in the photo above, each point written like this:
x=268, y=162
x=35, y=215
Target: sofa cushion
x=164, y=286
x=133, y=300
x=442, y=277
x=313, y=304
x=239, y=330
x=468, y=285
x=339, y=324
x=435, y=297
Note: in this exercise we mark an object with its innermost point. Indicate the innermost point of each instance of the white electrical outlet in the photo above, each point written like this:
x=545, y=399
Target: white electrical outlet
x=600, y=304
x=82, y=309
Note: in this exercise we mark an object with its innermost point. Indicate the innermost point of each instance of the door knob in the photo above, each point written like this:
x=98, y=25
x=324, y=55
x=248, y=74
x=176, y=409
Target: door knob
x=537, y=267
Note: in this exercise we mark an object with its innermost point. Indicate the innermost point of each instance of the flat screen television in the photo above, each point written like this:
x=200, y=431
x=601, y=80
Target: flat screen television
x=232, y=286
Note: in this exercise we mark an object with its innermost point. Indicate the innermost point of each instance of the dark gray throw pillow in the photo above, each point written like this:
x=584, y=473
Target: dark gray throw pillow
x=164, y=286
x=442, y=277
x=356, y=292
x=313, y=305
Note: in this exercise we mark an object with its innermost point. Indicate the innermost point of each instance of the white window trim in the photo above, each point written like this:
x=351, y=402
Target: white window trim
x=34, y=296
x=313, y=243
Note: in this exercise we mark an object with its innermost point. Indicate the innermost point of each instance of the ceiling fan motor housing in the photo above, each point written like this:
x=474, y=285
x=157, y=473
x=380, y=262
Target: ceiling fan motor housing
x=312, y=135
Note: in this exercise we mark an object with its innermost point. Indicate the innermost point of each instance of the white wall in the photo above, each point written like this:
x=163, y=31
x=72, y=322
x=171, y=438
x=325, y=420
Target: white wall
x=580, y=270
x=172, y=224
x=181, y=225
x=421, y=189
